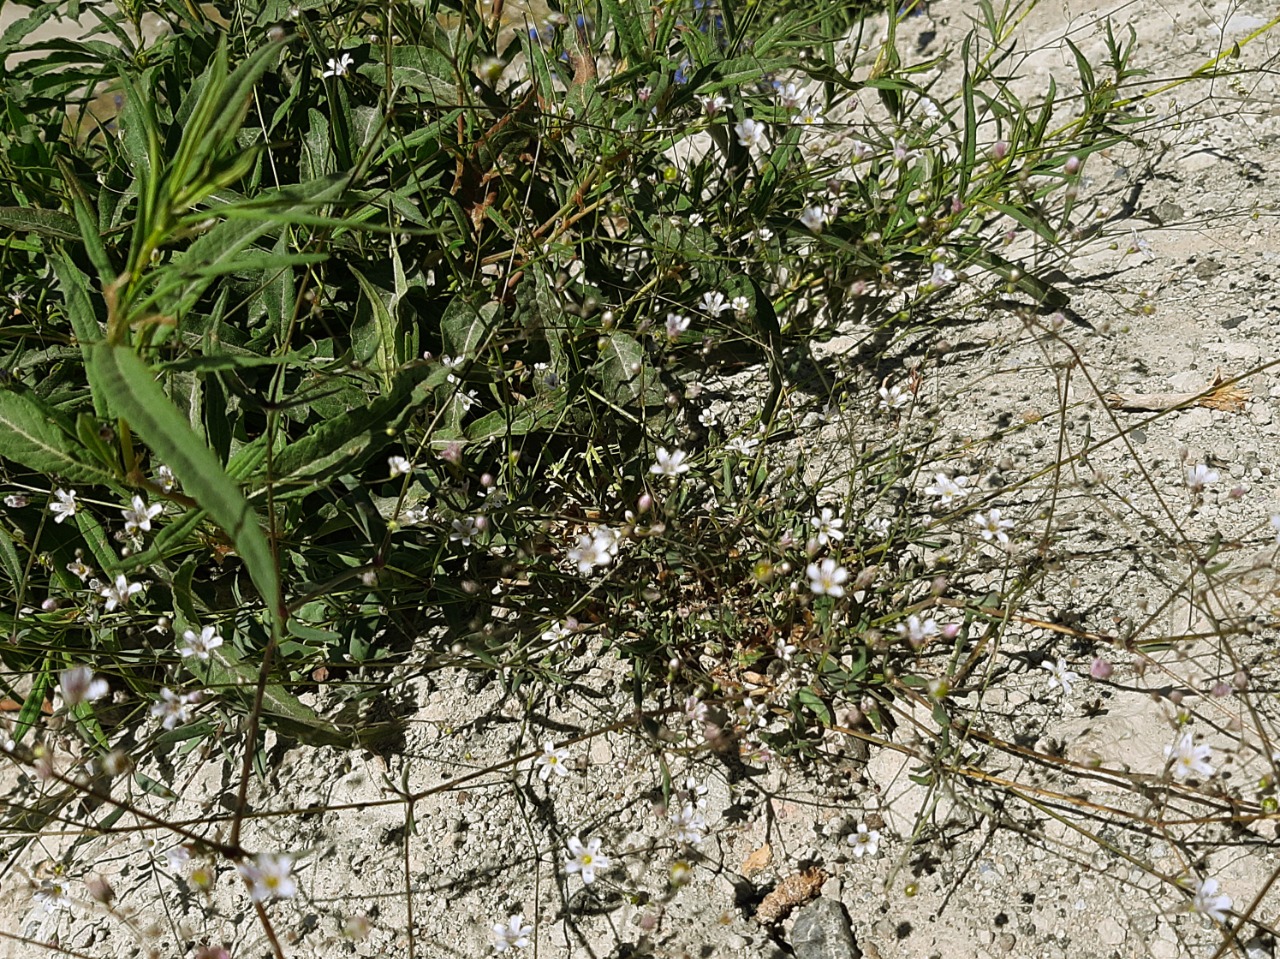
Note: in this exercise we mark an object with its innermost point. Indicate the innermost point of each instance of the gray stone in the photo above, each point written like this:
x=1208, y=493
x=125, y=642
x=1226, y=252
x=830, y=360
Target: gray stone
x=823, y=931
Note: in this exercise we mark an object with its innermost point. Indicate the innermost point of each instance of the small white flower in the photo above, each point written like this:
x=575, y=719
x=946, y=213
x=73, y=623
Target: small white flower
x=751, y=134
x=784, y=650
x=338, y=67
x=1059, y=676
x=1207, y=901
x=814, y=218
x=991, y=526
x=1189, y=760
x=688, y=824
x=743, y=445
x=827, y=578
x=551, y=761
x=941, y=277
x=1200, y=476
x=555, y=635
x=677, y=323
x=78, y=685
x=948, y=490
x=52, y=896
x=894, y=398
x=670, y=464
x=464, y=530
x=80, y=569
x=166, y=479
x=791, y=97
x=118, y=593
x=16, y=500
x=827, y=526
x=713, y=303
x=512, y=934
x=764, y=234
x=713, y=106
x=173, y=709
x=399, y=466
x=879, y=525
x=741, y=306
x=178, y=858
x=586, y=859
x=865, y=842
x=268, y=876
x=64, y=506
x=695, y=710
x=592, y=551
x=200, y=645
x=138, y=515
x=811, y=117
x=918, y=632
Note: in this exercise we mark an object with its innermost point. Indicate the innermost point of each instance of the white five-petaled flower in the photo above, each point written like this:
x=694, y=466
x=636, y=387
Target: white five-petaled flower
x=52, y=895
x=918, y=632
x=791, y=97
x=677, y=323
x=199, y=645
x=827, y=526
x=741, y=306
x=751, y=134
x=941, y=277
x=894, y=398
x=1207, y=901
x=827, y=578
x=713, y=106
x=551, y=761
x=948, y=490
x=138, y=515
x=268, y=876
x=173, y=709
x=1189, y=760
x=399, y=466
x=784, y=650
x=64, y=504
x=586, y=859
x=338, y=66
x=118, y=593
x=594, y=549
x=814, y=218
x=670, y=464
x=743, y=445
x=992, y=526
x=1200, y=476
x=166, y=479
x=464, y=529
x=688, y=824
x=512, y=934
x=865, y=842
x=78, y=685
x=713, y=303
x=1059, y=676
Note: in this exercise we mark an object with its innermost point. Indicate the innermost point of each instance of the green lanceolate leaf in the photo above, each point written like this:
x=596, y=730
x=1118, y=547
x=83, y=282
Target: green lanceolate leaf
x=375, y=334
x=31, y=435
x=342, y=443
x=133, y=393
x=235, y=681
x=25, y=219
x=80, y=311
x=625, y=376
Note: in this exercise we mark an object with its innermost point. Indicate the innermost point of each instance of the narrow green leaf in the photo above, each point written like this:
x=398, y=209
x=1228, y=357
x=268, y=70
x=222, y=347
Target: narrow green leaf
x=341, y=444
x=374, y=335
x=29, y=219
x=79, y=308
x=30, y=711
x=235, y=681
x=30, y=434
x=134, y=394
x=87, y=220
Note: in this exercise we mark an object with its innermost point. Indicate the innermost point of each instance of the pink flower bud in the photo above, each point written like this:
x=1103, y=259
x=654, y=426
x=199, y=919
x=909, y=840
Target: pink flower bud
x=1000, y=149
x=1100, y=668
x=1072, y=166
